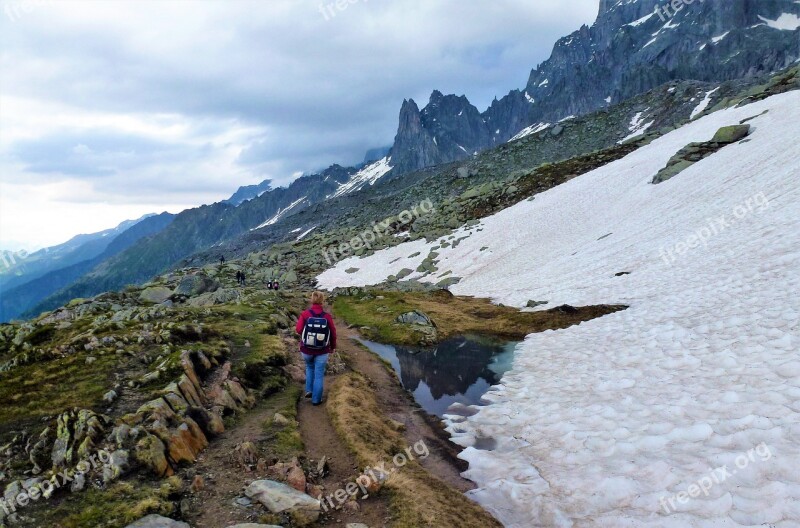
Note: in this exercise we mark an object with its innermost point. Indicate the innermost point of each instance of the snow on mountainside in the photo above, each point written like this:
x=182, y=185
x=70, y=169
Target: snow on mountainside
x=280, y=214
x=631, y=48
x=366, y=176
x=619, y=421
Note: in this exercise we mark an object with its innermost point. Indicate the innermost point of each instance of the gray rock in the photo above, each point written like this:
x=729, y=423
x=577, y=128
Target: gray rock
x=226, y=296
x=731, y=134
x=416, y=317
x=155, y=294
x=253, y=525
x=78, y=482
x=197, y=284
x=117, y=466
x=447, y=282
x=157, y=521
x=280, y=498
x=534, y=304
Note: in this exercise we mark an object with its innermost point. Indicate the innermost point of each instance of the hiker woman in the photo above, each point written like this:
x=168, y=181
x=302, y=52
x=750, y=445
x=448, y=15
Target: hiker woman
x=317, y=340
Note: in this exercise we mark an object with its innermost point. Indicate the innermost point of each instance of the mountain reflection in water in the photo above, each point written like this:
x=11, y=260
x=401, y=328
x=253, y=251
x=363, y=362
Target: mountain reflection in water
x=459, y=370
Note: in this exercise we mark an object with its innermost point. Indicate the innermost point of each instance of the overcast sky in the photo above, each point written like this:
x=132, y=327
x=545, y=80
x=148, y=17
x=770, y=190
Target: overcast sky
x=111, y=109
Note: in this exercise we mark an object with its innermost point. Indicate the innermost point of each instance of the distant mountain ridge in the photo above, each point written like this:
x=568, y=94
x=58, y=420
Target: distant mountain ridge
x=248, y=192
x=629, y=50
x=60, y=266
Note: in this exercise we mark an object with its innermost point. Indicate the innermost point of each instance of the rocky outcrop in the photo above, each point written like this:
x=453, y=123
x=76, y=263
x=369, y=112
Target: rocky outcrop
x=155, y=294
x=420, y=324
x=694, y=152
x=196, y=284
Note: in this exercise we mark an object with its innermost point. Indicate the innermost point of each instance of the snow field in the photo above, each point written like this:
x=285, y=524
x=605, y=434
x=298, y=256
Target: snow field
x=601, y=424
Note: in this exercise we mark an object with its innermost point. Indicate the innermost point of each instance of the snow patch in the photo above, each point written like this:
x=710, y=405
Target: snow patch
x=527, y=131
x=366, y=176
x=785, y=22
x=305, y=233
x=596, y=423
x=637, y=126
x=700, y=108
x=280, y=214
x=719, y=38
x=642, y=20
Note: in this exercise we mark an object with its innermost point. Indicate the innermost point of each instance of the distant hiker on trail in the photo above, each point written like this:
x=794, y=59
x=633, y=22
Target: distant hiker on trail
x=239, y=277
x=242, y=279
x=269, y=284
x=275, y=285
x=317, y=341
x=222, y=259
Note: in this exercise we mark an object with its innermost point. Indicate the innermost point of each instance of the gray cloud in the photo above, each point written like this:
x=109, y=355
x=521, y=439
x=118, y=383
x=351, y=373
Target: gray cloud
x=245, y=90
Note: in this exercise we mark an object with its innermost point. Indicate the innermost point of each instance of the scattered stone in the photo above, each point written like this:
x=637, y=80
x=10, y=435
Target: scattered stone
x=355, y=525
x=110, y=396
x=280, y=420
x=90, y=360
x=78, y=482
x=351, y=506
x=253, y=525
x=197, y=484
x=280, y=498
x=397, y=426
x=246, y=454
x=157, y=521
x=243, y=501
x=296, y=478
x=534, y=304
x=116, y=467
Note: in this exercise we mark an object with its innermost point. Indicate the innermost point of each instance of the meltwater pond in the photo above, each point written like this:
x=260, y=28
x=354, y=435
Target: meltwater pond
x=459, y=370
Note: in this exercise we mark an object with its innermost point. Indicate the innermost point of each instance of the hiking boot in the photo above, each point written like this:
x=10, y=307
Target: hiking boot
x=308, y=395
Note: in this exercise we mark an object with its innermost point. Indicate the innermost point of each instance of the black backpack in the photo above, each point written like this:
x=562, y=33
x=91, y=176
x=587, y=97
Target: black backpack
x=316, y=332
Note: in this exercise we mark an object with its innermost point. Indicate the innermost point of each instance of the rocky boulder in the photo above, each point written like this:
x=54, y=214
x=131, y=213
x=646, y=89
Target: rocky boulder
x=731, y=134
x=197, y=284
x=280, y=498
x=694, y=152
x=422, y=325
x=155, y=294
x=416, y=317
